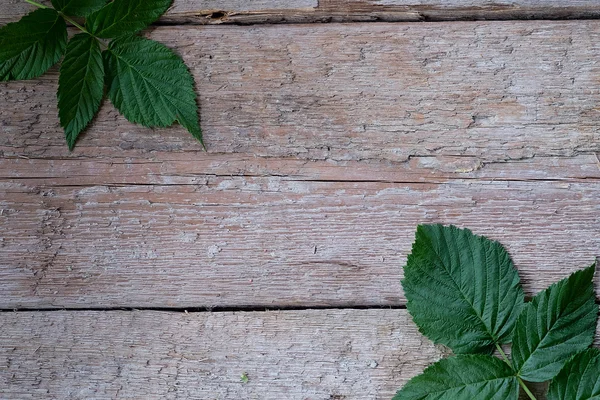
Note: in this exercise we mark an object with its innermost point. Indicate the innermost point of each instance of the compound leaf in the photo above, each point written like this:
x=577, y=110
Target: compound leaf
x=462, y=289
x=80, y=85
x=125, y=17
x=463, y=377
x=579, y=379
x=29, y=47
x=150, y=85
x=559, y=322
x=78, y=8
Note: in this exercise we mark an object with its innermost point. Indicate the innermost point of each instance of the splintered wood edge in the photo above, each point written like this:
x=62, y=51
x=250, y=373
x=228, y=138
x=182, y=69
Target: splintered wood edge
x=333, y=354
x=310, y=11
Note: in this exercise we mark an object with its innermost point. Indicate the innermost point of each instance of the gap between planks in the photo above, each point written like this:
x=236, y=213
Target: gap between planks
x=193, y=310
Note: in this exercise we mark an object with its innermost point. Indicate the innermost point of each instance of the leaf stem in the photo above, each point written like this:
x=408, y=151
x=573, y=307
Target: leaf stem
x=66, y=18
x=526, y=389
x=75, y=24
x=35, y=4
x=81, y=28
x=503, y=354
x=521, y=383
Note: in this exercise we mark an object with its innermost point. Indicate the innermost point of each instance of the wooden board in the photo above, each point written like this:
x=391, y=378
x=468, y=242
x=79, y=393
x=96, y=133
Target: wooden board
x=328, y=144
x=379, y=93
x=294, y=11
x=269, y=242
x=296, y=355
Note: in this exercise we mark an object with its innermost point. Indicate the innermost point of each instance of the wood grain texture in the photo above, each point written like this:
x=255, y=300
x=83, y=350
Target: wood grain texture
x=306, y=11
x=296, y=355
x=379, y=93
x=188, y=168
x=328, y=144
x=270, y=241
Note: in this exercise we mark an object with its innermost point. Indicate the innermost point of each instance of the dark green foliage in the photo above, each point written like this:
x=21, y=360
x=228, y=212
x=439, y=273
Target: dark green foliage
x=78, y=8
x=463, y=377
x=579, y=379
x=150, y=85
x=125, y=17
x=28, y=48
x=464, y=292
x=559, y=322
x=80, y=85
x=146, y=81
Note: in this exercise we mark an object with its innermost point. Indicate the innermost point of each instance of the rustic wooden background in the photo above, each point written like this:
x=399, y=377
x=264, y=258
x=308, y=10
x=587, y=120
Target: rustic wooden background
x=139, y=266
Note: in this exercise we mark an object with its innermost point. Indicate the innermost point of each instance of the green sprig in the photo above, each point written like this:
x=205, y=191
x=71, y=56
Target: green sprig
x=147, y=82
x=464, y=292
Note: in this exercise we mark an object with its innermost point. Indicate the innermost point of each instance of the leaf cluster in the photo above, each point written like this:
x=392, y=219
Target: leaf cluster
x=146, y=81
x=464, y=292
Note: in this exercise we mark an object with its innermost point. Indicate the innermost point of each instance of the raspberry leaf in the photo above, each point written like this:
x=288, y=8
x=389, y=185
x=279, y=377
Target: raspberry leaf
x=579, y=379
x=80, y=85
x=559, y=322
x=125, y=17
x=464, y=377
x=78, y=8
x=150, y=85
x=462, y=289
x=29, y=47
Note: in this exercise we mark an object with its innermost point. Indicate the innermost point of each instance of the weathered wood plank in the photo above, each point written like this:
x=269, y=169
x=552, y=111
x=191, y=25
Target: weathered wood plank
x=294, y=11
x=443, y=10
x=278, y=109
x=296, y=355
x=356, y=92
x=154, y=355
x=189, y=168
x=272, y=241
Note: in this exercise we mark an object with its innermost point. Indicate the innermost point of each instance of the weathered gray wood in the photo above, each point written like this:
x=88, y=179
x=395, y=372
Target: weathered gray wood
x=269, y=241
x=296, y=355
x=294, y=11
x=189, y=168
x=356, y=92
x=344, y=137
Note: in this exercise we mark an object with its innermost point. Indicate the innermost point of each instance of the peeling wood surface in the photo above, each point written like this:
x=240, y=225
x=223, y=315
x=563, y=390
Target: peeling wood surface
x=329, y=354
x=328, y=144
x=307, y=11
x=493, y=91
x=272, y=242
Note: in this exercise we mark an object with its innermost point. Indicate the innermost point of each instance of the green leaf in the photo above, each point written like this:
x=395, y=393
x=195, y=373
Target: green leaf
x=124, y=17
x=462, y=289
x=559, y=322
x=78, y=8
x=579, y=379
x=150, y=84
x=464, y=377
x=28, y=48
x=80, y=85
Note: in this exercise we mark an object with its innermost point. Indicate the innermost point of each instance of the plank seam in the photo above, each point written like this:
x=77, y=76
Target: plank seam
x=193, y=310
x=411, y=15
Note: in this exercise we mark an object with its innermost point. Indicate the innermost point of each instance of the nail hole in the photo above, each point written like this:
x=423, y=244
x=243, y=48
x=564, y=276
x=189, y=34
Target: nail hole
x=218, y=15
